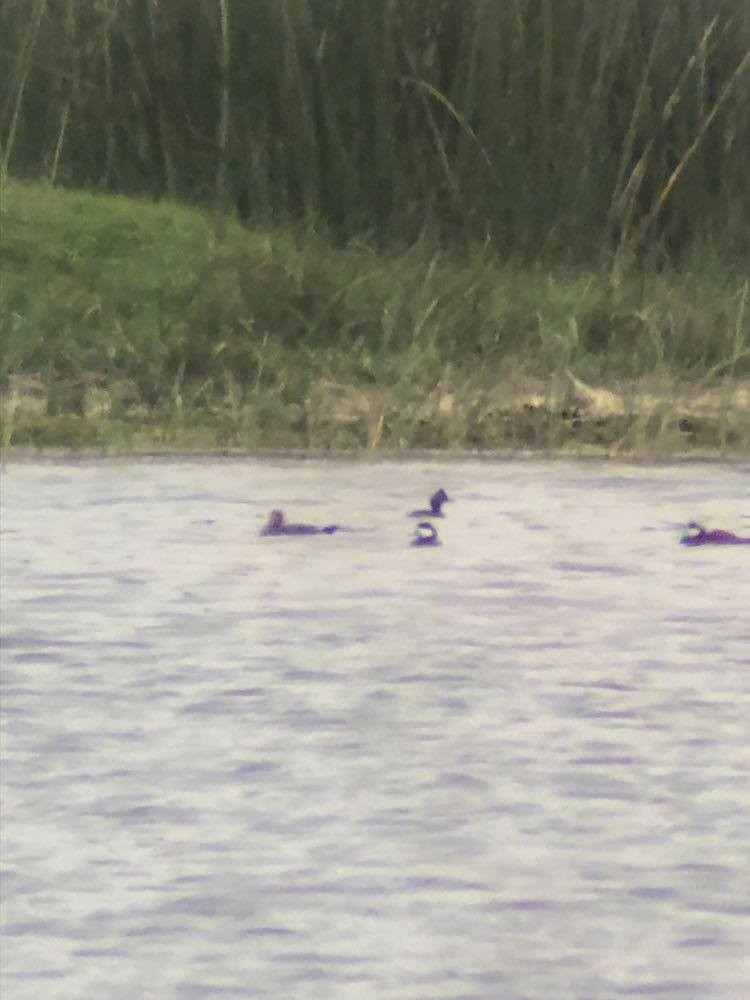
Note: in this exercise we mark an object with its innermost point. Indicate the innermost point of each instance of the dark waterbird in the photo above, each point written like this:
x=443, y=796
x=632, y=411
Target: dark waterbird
x=696, y=534
x=425, y=534
x=278, y=526
x=436, y=506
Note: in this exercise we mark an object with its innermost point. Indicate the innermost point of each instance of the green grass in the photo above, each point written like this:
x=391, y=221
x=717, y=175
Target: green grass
x=128, y=323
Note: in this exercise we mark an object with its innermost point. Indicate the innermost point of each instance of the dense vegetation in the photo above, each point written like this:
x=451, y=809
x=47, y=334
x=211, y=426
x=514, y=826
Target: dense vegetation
x=133, y=322
x=555, y=129
x=412, y=224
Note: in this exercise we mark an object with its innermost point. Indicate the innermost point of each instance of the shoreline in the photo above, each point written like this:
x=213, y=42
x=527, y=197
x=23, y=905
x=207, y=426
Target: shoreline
x=644, y=420
x=521, y=417
x=22, y=455
x=132, y=326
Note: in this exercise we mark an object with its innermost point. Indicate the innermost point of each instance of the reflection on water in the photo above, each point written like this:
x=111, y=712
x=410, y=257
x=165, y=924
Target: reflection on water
x=514, y=766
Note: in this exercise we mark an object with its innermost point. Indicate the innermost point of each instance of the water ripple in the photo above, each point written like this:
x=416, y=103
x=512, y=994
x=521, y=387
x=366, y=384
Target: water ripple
x=516, y=766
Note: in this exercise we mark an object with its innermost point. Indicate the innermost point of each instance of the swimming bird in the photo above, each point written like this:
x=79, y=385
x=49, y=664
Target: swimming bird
x=436, y=503
x=696, y=534
x=425, y=534
x=278, y=526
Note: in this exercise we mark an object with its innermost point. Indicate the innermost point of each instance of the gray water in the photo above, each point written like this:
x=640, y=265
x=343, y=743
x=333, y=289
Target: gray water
x=516, y=766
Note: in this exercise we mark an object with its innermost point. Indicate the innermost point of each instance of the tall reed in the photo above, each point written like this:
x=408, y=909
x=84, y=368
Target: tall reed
x=555, y=129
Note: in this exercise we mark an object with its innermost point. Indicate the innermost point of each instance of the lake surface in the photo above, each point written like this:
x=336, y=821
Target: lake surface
x=515, y=766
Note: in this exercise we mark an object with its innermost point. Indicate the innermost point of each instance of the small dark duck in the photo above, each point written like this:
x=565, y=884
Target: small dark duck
x=278, y=526
x=696, y=534
x=425, y=534
x=436, y=506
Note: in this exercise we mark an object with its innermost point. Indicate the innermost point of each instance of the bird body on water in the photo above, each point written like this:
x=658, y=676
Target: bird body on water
x=696, y=534
x=425, y=534
x=277, y=525
x=436, y=504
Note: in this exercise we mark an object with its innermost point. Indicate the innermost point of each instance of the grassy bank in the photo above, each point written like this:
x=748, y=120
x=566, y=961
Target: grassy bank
x=132, y=324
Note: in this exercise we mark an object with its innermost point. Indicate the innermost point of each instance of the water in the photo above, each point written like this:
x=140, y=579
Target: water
x=516, y=766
